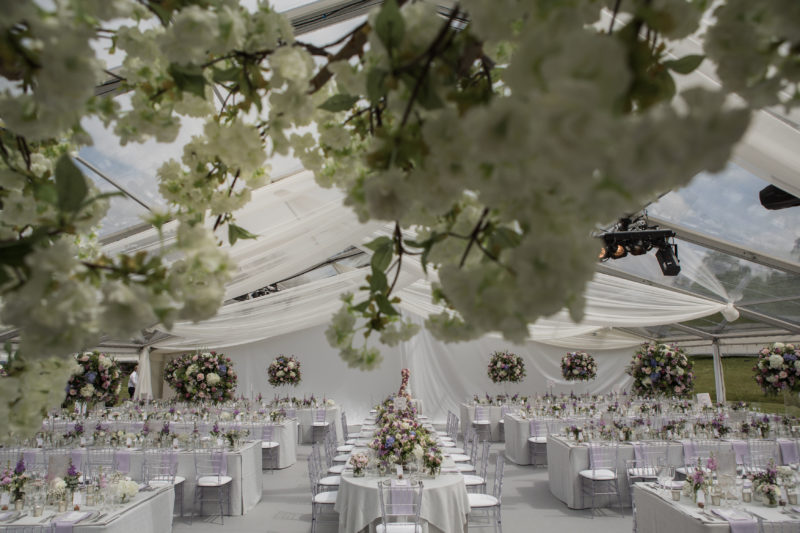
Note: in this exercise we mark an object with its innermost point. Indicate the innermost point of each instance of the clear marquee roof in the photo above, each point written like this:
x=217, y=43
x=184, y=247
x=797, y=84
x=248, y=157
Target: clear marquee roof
x=732, y=250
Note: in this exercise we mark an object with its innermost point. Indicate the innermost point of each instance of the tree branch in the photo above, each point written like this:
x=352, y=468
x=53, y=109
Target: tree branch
x=474, y=236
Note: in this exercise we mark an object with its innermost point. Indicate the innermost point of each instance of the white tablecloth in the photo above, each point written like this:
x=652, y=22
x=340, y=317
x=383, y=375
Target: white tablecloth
x=518, y=430
x=149, y=512
x=655, y=514
x=285, y=434
x=305, y=418
x=445, y=504
x=244, y=466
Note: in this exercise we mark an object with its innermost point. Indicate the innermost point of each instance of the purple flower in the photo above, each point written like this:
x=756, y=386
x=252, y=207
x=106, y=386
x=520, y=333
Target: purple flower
x=20, y=469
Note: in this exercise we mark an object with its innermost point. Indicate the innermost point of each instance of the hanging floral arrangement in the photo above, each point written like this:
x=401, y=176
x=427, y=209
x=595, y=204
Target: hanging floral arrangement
x=284, y=371
x=505, y=366
x=97, y=380
x=201, y=377
x=658, y=369
x=778, y=368
x=578, y=366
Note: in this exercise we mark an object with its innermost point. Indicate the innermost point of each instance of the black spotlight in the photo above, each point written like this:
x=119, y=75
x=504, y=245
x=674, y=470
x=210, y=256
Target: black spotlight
x=667, y=256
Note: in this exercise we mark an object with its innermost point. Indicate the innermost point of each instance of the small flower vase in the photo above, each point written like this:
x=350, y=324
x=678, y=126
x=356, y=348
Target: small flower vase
x=62, y=506
x=358, y=472
x=18, y=504
x=770, y=502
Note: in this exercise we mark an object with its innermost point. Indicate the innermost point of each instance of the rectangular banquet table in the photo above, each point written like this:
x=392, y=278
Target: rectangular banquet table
x=657, y=514
x=305, y=418
x=468, y=413
x=244, y=466
x=148, y=512
x=518, y=431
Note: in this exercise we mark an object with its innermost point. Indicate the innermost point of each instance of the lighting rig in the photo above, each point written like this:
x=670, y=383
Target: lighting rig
x=632, y=235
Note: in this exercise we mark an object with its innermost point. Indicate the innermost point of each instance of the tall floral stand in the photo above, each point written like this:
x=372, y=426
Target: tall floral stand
x=791, y=402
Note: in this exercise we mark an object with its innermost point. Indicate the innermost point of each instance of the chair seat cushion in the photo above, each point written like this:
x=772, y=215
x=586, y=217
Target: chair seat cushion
x=398, y=527
x=350, y=441
x=268, y=444
x=465, y=467
x=537, y=440
x=454, y=450
x=337, y=469
x=643, y=472
x=343, y=458
x=213, y=481
x=328, y=497
x=482, y=500
x=158, y=483
x=471, y=481
x=481, y=422
x=330, y=481
x=459, y=457
x=601, y=474
x=320, y=424
x=441, y=433
x=345, y=449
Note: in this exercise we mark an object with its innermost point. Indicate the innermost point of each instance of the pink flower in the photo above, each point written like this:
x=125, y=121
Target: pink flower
x=200, y=377
x=194, y=358
x=73, y=392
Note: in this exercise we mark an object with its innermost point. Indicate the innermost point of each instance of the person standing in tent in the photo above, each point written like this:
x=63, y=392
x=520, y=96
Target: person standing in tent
x=133, y=380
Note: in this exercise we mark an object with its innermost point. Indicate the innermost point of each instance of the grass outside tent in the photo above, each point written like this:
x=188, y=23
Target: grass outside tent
x=739, y=383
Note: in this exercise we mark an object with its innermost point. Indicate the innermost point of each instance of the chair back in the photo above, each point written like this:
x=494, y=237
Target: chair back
x=160, y=466
x=503, y=411
x=400, y=501
x=452, y=432
x=211, y=464
x=267, y=432
x=761, y=451
x=652, y=453
x=345, y=432
x=320, y=415
x=291, y=412
x=499, y=469
x=98, y=458
x=481, y=412
x=484, y=464
x=603, y=456
x=538, y=428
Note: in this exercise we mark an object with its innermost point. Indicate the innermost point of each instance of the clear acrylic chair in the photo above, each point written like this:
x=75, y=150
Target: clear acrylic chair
x=320, y=499
x=346, y=431
x=319, y=424
x=401, y=502
x=477, y=482
x=537, y=442
x=269, y=446
x=760, y=453
x=482, y=422
x=601, y=478
x=160, y=469
x=490, y=504
x=502, y=422
x=697, y=451
x=97, y=459
x=211, y=471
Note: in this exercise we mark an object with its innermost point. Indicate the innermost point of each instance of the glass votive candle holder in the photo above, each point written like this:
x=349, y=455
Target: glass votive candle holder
x=676, y=495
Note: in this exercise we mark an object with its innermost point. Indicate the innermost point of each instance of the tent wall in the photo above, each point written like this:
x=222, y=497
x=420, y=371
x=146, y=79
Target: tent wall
x=442, y=375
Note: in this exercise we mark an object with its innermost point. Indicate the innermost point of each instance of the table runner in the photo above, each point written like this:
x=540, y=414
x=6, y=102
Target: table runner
x=739, y=521
x=65, y=524
x=788, y=451
x=740, y=449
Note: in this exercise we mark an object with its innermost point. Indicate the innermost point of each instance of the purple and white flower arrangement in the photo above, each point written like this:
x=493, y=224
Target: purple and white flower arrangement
x=505, y=366
x=778, y=368
x=201, y=377
x=659, y=369
x=578, y=366
x=97, y=380
x=284, y=371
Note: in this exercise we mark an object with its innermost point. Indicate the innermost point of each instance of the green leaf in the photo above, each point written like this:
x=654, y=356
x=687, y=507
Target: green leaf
x=339, y=102
x=377, y=281
x=385, y=306
x=378, y=243
x=70, y=185
x=228, y=74
x=427, y=95
x=375, y=89
x=382, y=257
x=188, y=78
x=686, y=64
x=390, y=26
x=506, y=237
x=237, y=232
x=45, y=192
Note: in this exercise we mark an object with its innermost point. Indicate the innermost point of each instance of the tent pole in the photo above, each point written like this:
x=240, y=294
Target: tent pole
x=719, y=376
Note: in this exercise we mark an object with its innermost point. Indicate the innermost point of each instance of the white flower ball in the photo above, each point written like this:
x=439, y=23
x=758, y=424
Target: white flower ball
x=775, y=361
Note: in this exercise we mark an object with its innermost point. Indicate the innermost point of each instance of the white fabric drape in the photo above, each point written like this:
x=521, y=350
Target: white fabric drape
x=144, y=387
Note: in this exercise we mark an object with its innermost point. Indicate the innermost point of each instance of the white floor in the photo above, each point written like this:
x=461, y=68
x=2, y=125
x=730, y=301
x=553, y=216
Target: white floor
x=527, y=506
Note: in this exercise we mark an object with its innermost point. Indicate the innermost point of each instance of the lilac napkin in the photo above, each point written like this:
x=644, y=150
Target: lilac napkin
x=6, y=515
x=741, y=450
x=77, y=459
x=738, y=520
x=638, y=454
x=402, y=497
x=123, y=460
x=788, y=451
x=533, y=428
x=64, y=525
x=171, y=458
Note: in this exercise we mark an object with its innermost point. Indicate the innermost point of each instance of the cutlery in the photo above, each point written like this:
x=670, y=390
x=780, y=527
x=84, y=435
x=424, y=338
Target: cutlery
x=98, y=517
x=46, y=518
x=20, y=517
x=12, y=516
x=87, y=517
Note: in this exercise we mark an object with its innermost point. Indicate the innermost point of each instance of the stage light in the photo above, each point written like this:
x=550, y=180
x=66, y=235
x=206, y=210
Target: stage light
x=668, y=260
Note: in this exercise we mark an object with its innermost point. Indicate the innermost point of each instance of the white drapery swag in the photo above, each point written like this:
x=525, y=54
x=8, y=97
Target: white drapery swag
x=144, y=386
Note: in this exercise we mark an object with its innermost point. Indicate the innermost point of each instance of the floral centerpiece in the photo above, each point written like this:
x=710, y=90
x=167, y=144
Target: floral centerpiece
x=165, y=435
x=760, y=425
x=284, y=371
x=578, y=366
x=698, y=480
x=100, y=433
x=359, y=462
x=505, y=366
x=72, y=479
x=405, y=374
x=432, y=460
x=234, y=436
x=126, y=489
x=97, y=380
x=76, y=432
x=765, y=482
x=778, y=368
x=57, y=489
x=215, y=432
x=198, y=377
x=660, y=369
x=14, y=481
x=277, y=415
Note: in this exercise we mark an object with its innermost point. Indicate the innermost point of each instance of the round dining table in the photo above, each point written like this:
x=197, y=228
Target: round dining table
x=445, y=504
